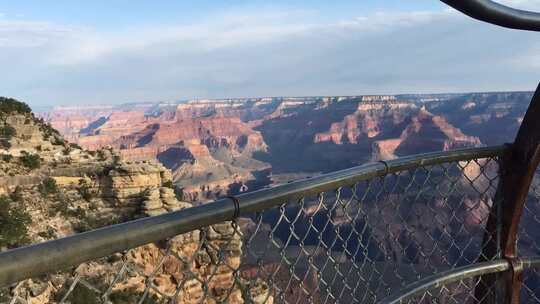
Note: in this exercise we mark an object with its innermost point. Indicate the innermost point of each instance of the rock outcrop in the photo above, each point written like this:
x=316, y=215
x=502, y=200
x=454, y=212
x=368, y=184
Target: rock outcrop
x=59, y=189
x=213, y=145
x=203, y=152
x=432, y=133
x=371, y=118
x=493, y=117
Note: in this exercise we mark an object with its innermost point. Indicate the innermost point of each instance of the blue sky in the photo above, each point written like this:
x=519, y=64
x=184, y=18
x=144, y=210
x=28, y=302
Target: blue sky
x=82, y=52
x=128, y=13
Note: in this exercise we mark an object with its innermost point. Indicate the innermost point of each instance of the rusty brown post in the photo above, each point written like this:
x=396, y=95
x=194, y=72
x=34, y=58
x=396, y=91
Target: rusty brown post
x=517, y=171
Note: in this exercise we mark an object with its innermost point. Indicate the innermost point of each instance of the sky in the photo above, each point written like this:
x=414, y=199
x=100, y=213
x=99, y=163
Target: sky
x=74, y=52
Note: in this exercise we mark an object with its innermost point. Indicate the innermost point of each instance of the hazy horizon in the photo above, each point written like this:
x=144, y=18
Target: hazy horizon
x=178, y=101
x=77, y=53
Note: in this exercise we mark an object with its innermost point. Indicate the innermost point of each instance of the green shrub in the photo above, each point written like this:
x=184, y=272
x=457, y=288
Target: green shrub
x=131, y=296
x=47, y=129
x=83, y=295
x=7, y=131
x=16, y=195
x=91, y=222
x=5, y=295
x=11, y=105
x=4, y=143
x=84, y=190
x=79, y=213
x=29, y=160
x=48, y=186
x=93, y=206
x=101, y=155
x=13, y=224
x=57, y=141
x=48, y=234
x=7, y=157
x=62, y=207
x=168, y=184
x=75, y=146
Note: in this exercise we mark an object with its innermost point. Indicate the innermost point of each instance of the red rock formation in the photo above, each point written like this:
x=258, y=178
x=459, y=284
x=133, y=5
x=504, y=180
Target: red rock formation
x=385, y=149
x=425, y=132
x=184, y=144
x=368, y=121
x=69, y=121
x=95, y=142
x=209, y=144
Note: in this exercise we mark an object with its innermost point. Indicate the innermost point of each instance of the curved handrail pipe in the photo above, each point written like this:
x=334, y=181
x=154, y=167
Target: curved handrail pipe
x=455, y=275
x=498, y=14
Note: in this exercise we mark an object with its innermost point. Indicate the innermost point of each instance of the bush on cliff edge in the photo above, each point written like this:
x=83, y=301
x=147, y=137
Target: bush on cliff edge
x=29, y=160
x=13, y=224
x=11, y=105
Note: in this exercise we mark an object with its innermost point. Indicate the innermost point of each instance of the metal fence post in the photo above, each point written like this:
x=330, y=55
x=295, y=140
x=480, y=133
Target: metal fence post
x=517, y=172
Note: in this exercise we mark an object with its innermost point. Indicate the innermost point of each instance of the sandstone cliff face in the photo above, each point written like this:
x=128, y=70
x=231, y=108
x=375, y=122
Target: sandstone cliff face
x=72, y=121
x=206, y=154
x=432, y=133
x=369, y=120
x=73, y=190
x=29, y=136
x=211, y=145
x=493, y=117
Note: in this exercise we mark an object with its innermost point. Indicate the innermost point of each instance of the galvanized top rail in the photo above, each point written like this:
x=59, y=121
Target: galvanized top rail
x=495, y=13
x=52, y=256
x=455, y=275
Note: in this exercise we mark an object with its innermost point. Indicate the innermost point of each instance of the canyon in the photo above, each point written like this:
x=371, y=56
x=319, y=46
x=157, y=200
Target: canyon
x=124, y=162
x=226, y=146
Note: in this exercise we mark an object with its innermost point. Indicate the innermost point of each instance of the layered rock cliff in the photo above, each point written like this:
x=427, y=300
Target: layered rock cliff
x=206, y=154
x=493, y=117
x=215, y=147
x=431, y=133
x=50, y=189
x=370, y=119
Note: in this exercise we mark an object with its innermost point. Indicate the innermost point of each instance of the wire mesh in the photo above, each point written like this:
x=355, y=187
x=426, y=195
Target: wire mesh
x=359, y=243
x=462, y=291
x=529, y=235
x=354, y=244
x=530, y=291
x=529, y=242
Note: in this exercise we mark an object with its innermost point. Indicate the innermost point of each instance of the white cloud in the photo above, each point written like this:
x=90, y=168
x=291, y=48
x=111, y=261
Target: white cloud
x=522, y=4
x=527, y=59
x=78, y=45
x=263, y=53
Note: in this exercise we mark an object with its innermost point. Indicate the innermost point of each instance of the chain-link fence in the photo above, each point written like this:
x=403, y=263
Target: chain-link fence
x=356, y=236
x=356, y=244
x=529, y=242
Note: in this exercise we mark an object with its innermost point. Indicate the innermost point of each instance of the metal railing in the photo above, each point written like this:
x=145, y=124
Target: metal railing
x=458, y=285
x=353, y=236
x=495, y=13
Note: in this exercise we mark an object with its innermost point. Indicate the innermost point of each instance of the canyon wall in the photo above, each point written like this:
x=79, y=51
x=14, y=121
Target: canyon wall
x=215, y=147
x=54, y=189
